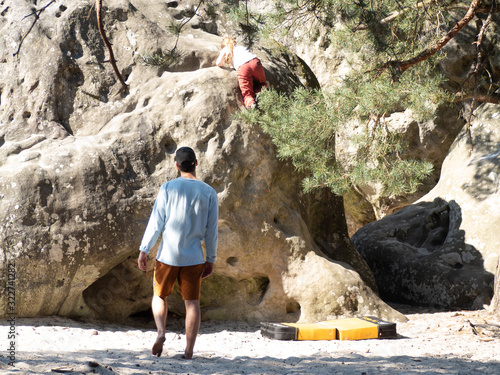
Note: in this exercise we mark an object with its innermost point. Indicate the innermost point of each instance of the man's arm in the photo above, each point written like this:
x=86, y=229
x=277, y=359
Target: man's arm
x=154, y=228
x=211, y=234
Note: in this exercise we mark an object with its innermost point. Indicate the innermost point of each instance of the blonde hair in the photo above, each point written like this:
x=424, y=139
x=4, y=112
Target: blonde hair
x=229, y=43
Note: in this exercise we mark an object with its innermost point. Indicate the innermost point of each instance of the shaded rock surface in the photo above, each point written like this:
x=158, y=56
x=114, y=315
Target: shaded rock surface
x=81, y=164
x=444, y=249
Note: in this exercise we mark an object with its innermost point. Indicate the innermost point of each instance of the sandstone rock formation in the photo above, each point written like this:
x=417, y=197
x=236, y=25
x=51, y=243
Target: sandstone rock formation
x=81, y=163
x=444, y=249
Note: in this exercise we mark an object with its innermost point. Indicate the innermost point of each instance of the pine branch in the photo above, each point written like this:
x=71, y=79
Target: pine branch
x=399, y=67
x=395, y=14
x=391, y=17
x=480, y=97
x=478, y=10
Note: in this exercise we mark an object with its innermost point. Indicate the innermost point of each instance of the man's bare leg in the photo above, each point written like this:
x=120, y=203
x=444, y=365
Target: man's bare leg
x=193, y=318
x=160, y=310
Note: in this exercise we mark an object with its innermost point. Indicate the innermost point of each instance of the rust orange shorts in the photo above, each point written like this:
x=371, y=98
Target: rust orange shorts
x=188, y=278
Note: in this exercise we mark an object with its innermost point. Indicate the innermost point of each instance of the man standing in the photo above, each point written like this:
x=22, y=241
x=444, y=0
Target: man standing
x=186, y=214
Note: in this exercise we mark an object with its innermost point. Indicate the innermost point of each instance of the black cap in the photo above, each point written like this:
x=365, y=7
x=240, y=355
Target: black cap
x=185, y=157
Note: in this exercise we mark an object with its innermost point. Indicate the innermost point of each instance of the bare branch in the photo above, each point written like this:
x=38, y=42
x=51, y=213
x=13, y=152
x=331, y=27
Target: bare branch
x=179, y=28
x=108, y=46
x=36, y=13
x=479, y=64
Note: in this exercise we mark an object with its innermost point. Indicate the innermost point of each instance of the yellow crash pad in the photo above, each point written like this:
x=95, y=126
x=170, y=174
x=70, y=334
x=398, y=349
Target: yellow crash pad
x=366, y=327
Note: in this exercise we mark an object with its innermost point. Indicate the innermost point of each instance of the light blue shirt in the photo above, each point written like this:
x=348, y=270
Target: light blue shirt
x=186, y=214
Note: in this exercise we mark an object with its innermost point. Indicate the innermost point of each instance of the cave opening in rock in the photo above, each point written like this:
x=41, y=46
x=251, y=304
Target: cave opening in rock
x=256, y=289
x=293, y=310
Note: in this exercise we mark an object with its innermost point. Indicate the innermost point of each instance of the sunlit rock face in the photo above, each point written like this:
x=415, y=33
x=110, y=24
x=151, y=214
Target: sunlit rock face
x=81, y=163
x=444, y=249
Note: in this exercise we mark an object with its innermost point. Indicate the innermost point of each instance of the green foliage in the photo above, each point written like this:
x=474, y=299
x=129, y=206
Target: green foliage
x=306, y=126
x=371, y=95
x=365, y=20
x=160, y=58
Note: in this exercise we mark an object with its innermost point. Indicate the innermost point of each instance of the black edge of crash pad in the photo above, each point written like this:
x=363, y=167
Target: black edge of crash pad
x=386, y=330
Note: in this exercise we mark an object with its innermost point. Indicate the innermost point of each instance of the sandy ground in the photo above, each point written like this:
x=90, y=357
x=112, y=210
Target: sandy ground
x=459, y=342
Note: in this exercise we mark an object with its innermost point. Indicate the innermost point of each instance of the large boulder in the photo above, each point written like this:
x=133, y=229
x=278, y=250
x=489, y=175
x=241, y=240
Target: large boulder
x=81, y=163
x=444, y=249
